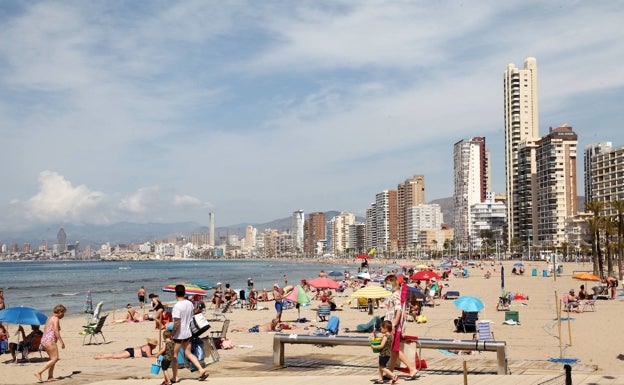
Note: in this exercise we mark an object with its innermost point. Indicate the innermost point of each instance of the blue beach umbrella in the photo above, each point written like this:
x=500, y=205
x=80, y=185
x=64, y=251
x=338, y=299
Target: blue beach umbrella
x=23, y=315
x=469, y=303
x=335, y=273
x=518, y=264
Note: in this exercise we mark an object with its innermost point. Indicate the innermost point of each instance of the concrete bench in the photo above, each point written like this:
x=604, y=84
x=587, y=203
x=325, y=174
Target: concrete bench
x=280, y=339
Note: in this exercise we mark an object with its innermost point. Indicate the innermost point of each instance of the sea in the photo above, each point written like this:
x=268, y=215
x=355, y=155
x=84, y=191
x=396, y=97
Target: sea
x=42, y=285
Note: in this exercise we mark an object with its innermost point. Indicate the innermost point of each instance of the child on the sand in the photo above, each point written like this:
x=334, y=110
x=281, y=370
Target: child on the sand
x=167, y=353
x=384, y=354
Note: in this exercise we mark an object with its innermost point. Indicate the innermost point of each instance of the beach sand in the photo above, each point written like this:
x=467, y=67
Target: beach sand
x=593, y=338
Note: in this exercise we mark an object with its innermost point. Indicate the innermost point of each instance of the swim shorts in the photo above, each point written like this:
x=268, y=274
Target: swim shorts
x=254, y=329
x=278, y=306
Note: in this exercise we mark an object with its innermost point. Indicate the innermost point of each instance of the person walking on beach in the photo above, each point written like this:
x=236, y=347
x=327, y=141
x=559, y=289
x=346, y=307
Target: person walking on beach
x=52, y=335
x=394, y=314
x=182, y=314
x=141, y=296
x=2, y=304
x=167, y=353
x=385, y=353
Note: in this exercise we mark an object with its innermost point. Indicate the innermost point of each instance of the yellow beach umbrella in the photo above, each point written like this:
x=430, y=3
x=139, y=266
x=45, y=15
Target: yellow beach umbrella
x=373, y=292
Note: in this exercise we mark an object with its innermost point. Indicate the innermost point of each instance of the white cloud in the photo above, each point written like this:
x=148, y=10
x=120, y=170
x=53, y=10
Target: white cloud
x=58, y=201
x=189, y=201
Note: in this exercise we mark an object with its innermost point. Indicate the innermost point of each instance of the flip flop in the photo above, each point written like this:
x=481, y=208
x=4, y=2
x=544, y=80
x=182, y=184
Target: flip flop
x=203, y=377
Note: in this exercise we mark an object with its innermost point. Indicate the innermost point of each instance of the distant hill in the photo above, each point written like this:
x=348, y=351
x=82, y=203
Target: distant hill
x=447, y=206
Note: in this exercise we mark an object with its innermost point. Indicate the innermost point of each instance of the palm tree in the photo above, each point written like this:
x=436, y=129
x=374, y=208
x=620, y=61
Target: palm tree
x=594, y=225
x=610, y=230
x=618, y=206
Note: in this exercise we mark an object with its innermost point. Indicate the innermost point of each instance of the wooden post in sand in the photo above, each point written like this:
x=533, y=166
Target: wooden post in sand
x=465, y=372
x=558, y=306
x=569, y=329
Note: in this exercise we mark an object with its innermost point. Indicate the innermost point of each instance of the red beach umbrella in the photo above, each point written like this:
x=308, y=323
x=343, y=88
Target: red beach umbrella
x=362, y=256
x=323, y=283
x=424, y=275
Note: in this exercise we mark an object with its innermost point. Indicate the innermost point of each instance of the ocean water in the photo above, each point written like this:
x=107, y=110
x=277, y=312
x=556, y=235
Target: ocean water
x=42, y=285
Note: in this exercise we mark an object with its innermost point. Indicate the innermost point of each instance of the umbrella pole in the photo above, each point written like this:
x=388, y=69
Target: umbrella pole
x=558, y=307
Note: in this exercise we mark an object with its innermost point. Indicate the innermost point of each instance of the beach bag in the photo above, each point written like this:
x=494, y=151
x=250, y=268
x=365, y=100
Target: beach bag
x=421, y=319
x=199, y=324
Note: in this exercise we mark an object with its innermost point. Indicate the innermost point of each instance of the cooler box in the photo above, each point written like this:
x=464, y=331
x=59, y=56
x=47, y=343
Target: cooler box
x=512, y=315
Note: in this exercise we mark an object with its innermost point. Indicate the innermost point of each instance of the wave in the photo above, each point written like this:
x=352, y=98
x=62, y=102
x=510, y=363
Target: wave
x=63, y=294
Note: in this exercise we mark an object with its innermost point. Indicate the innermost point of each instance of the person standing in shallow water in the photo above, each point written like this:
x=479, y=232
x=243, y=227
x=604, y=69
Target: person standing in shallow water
x=141, y=296
x=52, y=335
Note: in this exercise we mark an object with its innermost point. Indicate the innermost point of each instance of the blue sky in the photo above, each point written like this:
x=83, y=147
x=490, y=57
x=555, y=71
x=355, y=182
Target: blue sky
x=161, y=111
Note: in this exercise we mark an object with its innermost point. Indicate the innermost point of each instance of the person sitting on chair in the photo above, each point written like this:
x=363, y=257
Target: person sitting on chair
x=571, y=302
x=30, y=341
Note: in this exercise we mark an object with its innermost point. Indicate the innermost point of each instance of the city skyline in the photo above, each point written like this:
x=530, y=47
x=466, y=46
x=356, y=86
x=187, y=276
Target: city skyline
x=166, y=112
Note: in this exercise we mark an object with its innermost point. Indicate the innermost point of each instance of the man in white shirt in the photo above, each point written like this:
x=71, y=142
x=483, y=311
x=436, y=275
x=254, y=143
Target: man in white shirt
x=182, y=314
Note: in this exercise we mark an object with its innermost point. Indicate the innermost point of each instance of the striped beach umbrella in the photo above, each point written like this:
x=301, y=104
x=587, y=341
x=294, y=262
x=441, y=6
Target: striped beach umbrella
x=190, y=288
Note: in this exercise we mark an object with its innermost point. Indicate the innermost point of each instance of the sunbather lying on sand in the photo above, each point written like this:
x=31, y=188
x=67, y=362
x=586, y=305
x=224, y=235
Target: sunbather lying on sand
x=271, y=326
x=145, y=351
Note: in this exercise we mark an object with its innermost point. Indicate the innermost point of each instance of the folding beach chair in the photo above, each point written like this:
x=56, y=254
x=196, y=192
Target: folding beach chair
x=484, y=331
x=323, y=312
x=94, y=331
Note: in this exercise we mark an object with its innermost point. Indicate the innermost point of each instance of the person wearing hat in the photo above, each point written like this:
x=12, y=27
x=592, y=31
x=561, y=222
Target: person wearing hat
x=571, y=302
x=279, y=301
x=145, y=351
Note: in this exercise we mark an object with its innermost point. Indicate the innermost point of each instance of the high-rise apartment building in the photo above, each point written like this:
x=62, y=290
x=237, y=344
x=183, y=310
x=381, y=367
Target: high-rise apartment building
x=607, y=177
x=590, y=151
x=370, y=238
x=471, y=182
x=314, y=231
x=211, y=230
x=524, y=205
x=521, y=123
x=556, y=195
x=386, y=212
x=297, y=230
x=338, y=239
x=410, y=193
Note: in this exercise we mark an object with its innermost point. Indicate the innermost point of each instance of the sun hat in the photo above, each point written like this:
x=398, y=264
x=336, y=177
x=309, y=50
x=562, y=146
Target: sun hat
x=571, y=291
x=151, y=341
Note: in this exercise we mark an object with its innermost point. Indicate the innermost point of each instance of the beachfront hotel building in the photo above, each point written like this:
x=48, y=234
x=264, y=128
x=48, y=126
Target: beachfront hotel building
x=425, y=223
x=488, y=216
x=471, y=183
x=556, y=194
x=297, y=230
x=525, y=207
x=338, y=232
x=590, y=151
x=370, y=227
x=607, y=177
x=386, y=218
x=521, y=124
x=313, y=233
x=410, y=193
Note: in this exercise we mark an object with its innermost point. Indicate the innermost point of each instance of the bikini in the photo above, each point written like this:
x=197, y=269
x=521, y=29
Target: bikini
x=131, y=352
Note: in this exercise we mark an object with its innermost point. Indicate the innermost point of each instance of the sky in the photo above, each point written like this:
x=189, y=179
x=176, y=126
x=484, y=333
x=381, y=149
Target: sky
x=159, y=111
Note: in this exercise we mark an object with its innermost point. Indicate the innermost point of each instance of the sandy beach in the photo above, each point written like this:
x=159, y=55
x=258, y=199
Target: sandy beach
x=592, y=338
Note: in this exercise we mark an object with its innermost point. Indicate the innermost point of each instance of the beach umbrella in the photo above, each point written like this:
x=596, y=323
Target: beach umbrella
x=424, y=275
x=362, y=256
x=469, y=303
x=586, y=277
x=189, y=288
x=88, y=306
x=502, y=277
x=335, y=273
x=372, y=292
x=323, y=283
x=518, y=264
x=206, y=285
x=445, y=265
x=299, y=297
x=23, y=315
x=422, y=266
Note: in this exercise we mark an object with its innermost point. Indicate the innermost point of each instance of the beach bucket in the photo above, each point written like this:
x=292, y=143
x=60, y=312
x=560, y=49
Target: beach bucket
x=376, y=341
x=155, y=369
